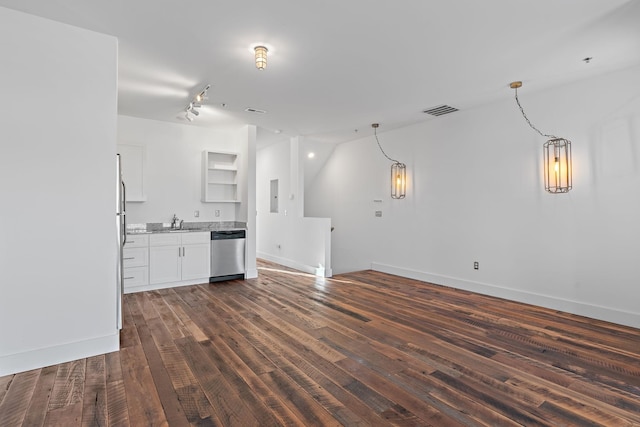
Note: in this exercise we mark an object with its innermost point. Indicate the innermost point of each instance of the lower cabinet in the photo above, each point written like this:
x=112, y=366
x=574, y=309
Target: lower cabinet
x=175, y=257
x=135, y=261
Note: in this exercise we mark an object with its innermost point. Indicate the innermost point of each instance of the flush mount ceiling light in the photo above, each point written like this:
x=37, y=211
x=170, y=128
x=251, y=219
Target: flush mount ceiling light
x=191, y=110
x=261, y=57
x=556, y=156
x=398, y=171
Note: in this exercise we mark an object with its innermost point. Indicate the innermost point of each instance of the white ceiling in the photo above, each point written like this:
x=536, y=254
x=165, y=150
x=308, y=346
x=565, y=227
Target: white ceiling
x=337, y=66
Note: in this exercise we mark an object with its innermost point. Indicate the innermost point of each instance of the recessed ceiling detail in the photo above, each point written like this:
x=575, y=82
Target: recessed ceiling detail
x=254, y=110
x=440, y=110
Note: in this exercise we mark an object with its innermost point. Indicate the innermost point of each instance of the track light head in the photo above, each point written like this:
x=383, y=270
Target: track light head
x=196, y=102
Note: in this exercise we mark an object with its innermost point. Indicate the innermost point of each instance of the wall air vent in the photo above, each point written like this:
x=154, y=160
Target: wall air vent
x=254, y=110
x=440, y=110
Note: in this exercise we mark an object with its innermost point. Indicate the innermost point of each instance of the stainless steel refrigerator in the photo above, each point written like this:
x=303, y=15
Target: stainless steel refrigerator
x=121, y=234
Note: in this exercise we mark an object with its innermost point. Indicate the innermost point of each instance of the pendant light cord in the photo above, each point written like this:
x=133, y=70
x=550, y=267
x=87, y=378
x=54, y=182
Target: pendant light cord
x=375, y=133
x=529, y=121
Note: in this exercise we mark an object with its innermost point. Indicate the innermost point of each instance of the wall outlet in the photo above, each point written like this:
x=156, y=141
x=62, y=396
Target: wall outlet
x=217, y=212
x=476, y=265
x=196, y=214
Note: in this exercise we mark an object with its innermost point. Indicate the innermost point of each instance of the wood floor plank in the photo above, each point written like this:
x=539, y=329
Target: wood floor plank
x=143, y=402
x=5, y=382
x=226, y=399
x=13, y=407
x=166, y=392
x=363, y=348
x=69, y=384
x=39, y=404
x=117, y=409
x=66, y=401
x=94, y=408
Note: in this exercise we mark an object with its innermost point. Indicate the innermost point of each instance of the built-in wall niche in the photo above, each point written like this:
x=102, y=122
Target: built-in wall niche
x=220, y=177
x=273, y=196
x=133, y=163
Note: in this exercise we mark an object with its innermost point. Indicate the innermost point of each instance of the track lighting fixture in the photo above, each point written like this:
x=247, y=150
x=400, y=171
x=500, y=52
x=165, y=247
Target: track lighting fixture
x=192, y=108
x=398, y=171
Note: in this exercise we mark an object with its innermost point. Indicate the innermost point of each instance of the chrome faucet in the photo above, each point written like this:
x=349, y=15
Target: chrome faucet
x=174, y=221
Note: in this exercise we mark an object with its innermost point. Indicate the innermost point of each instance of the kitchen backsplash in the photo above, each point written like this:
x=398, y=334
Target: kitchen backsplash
x=205, y=226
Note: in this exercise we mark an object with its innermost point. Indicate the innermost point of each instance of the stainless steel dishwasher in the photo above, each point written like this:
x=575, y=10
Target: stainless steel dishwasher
x=227, y=255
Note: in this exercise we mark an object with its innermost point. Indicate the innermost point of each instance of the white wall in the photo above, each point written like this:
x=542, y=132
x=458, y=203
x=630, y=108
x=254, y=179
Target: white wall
x=174, y=168
x=58, y=247
x=476, y=194
x=288, y=237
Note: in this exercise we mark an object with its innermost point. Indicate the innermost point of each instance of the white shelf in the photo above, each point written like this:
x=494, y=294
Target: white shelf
x=223, y=167
x=219, y=177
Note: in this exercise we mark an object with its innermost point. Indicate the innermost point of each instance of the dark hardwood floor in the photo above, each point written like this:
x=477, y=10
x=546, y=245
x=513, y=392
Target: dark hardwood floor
x=364, y=348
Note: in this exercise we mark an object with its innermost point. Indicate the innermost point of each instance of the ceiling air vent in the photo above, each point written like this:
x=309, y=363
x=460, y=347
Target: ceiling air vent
x=254, y=110
x=440, y=110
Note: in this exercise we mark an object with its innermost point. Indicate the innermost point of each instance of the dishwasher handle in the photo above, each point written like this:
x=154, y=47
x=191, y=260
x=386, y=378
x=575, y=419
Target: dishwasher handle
x=229, y=234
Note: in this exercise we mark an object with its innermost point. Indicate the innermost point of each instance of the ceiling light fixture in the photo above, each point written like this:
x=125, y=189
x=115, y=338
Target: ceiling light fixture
x=196, y=102
x=556, y=156
x=261, y=57
x=398, y=171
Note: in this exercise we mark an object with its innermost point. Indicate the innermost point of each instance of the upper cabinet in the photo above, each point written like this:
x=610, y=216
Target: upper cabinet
x=220, y=177
x=132, y=159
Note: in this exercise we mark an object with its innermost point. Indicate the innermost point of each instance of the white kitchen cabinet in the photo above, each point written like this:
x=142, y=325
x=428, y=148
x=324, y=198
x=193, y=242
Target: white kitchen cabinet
x=220, y=177
x=176, y=257
x=165, y=263
x=132, y=158
x=196, y=255
x=135, y=257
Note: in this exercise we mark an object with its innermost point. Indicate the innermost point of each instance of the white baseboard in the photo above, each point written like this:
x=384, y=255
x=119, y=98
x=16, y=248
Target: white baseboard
x=575, y=307
x=35, y=359
x=293, y=264
x=251, y=273
x=156, y=286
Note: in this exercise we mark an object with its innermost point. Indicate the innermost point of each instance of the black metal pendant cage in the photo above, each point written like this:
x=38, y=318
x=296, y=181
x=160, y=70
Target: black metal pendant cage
x=557, y=165
x=398, y=180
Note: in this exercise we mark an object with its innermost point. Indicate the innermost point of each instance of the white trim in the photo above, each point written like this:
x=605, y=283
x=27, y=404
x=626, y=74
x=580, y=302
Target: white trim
x=35, y=359
x=293, y=264
x=608, y=314
x=251, y=273
x=156, y=286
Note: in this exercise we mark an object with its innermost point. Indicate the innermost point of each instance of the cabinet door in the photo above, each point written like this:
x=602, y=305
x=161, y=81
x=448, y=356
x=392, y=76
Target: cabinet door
x=195, y=262
x=164, y=264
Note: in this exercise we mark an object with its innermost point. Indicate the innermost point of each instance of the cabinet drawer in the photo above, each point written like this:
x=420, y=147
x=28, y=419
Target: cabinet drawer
x=137, y=241
x=135, y=276
x=196, y=237
x=165, y=239
x=135, y=257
